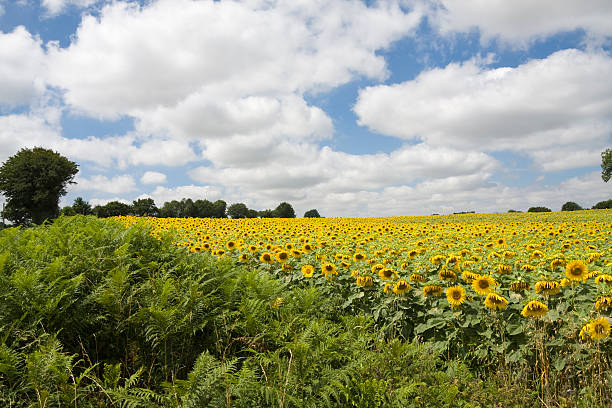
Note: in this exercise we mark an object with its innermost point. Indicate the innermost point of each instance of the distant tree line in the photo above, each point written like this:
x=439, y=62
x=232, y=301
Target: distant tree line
x=185, y=208
x=570, y=206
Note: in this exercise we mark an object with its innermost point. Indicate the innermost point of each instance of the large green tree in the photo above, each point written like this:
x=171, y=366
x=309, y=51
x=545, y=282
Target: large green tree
x=32, y=181
x=284, y=210
x=145, y=207
x=606, y=164
x=238, y=210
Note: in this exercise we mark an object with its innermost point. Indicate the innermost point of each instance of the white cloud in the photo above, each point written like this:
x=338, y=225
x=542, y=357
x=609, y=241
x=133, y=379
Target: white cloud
x=205, y=70
x=114, y=185
x=103, y=201
x=521, y=21
x=153, y=177
x=22, y=67
x=562, y=100
x=41, y=128
x=55, y=7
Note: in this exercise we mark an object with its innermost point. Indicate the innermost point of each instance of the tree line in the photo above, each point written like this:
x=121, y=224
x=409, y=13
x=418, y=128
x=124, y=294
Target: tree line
x=185, y=208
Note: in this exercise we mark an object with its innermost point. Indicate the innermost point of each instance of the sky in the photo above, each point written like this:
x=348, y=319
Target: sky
x=355, y=108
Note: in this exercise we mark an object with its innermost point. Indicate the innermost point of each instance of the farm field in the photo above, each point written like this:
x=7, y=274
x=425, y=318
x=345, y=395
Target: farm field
x=474, y=310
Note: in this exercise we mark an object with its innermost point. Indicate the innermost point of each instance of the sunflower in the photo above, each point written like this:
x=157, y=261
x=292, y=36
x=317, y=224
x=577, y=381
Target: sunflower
x=230, y=245
x=386, y=273
x=576, y=270
x=502, y=269
x=401, y=287
x=436, y=259
x=287, y=267
x=282, y=256
x=243, y=258
x=365, y=281
x=359, y=257
x=584, y=333
x=534, y=308
x=329, y=269
x=518, y=286
x=455, y=296
x=296, y=254
x=495, y=301
x=557, y=262
x=604, y=278
x=307, y=248
x=483, y=285
x=377, y=267
x=548, y=287
x=469, y=276
x=446, y=274
x=417, y=277
x=603, y=303
x=599, y=328
x=307, y=271
x=267, y=258
x=432, y=290
x=388, y=287
x=252, y=248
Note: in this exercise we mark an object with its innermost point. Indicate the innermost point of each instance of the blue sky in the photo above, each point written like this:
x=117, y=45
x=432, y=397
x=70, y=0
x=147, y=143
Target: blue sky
x=396, y=107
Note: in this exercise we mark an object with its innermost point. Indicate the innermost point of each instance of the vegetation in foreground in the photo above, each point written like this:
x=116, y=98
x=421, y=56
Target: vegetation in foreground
x=93, y=314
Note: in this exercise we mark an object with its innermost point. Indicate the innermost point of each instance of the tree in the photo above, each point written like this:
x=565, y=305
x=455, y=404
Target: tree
x=112, y=209
x=252, y=213
x=267, y=214
x=538, y=209
x=606, y=165
x=284, y=210
x=602, y=205
x=32, y=181
x=238, y=210
x=570, y=206
x=219, y=208
x=312, y=214
x=204, y=208
x=144, y=207
x=80, y=206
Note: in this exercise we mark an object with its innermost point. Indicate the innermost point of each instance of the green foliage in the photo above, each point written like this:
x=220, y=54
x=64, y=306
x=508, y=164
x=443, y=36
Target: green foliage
x=92, y=314
x=538, y=209
x=602, y=205
x=570, y=206
x=284, y=210
x=82, y=207
x=112, y=209
x=32, y=181
x=238, y=210
x=144, y=207
x=606, y=165
x=312, y=214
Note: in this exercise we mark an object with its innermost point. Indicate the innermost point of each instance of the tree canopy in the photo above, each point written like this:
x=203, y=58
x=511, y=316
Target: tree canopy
x=606, y=165
x=32, y=181
x=570, y=206
x=284, y=210
x=312, y=214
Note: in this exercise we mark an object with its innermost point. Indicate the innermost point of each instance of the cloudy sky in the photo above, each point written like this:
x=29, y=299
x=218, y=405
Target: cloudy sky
x=356, y=108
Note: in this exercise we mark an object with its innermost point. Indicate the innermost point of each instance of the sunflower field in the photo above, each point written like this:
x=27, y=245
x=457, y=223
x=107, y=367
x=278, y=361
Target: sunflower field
x=466, y=311
x=501, y=290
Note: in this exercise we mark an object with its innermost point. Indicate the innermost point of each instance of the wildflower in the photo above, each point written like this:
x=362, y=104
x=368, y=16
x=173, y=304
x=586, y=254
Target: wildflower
x=455, y=296
x=307, y=271
x=534, y=308
x=495, y=302
x=576, y=270
x=483, y=285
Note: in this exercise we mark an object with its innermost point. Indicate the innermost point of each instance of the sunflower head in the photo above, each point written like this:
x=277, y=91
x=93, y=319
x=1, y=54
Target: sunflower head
x=432, y=290
x=535, y=309
x=401, y=287
x=455, y=296
x=386, y=273
x=307, y=271
x=282, y=256
x=576, y=270
x=599, y=329
x=359, y=257
x=329, y=269
x=266, y=258
x=483, y=285
x=495, y=302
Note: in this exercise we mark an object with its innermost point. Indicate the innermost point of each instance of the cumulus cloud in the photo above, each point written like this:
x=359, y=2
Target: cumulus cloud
x=41, y=128
x=153, y=177
x=114, y=185
x=22, y=67
x=563, y=99
x=522, y=21
x=190, y=68
x=55, y=7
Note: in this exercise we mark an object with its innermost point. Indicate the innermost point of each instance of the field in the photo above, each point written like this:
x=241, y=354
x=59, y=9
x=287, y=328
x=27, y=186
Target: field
x=471, y=310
